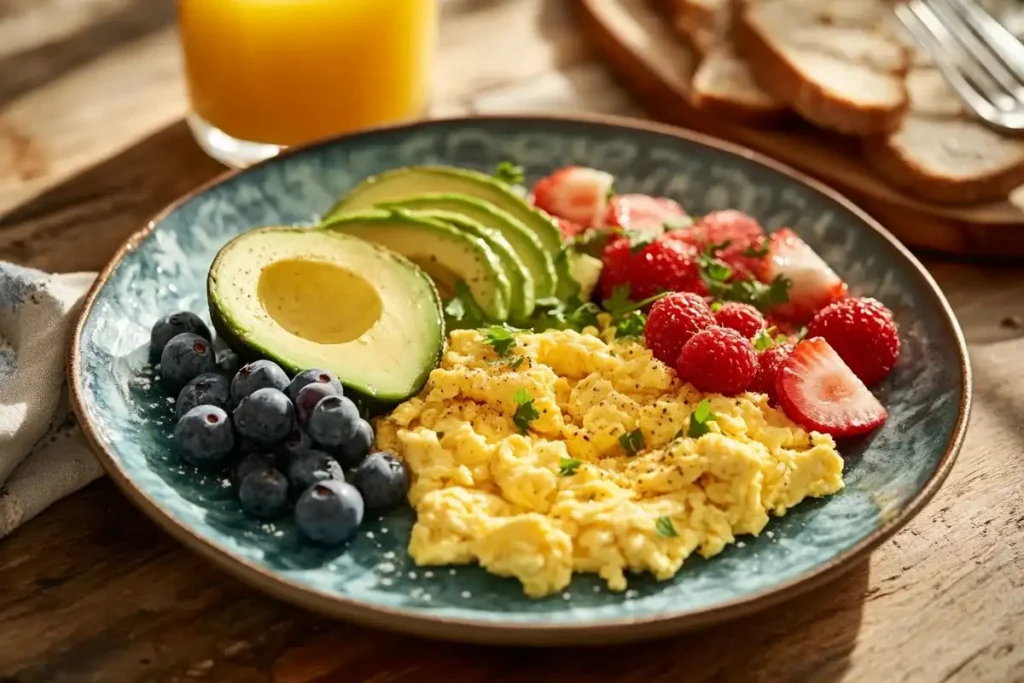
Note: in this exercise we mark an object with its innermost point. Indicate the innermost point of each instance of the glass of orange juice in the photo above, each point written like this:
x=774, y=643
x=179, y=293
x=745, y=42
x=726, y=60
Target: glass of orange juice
x=267, y=74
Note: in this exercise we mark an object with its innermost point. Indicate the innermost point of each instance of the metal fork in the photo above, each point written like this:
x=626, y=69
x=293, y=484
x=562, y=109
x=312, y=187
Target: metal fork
x=983, y=62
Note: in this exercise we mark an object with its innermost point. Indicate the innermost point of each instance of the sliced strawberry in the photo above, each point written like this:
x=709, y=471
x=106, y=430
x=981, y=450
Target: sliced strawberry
x=568, y=228
x=735, y=227
x=819, y=392
x=642, y=213
x=575, y=193
x=814, y=284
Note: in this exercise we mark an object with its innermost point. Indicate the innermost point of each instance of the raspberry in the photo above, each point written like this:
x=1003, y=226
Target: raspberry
x=768, y=362
x=673, y=319
x=743, y=318
x=718, y=360
x=862, y=331
x=662, y=265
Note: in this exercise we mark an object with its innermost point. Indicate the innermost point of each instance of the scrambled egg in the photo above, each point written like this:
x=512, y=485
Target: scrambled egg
x=605, y=478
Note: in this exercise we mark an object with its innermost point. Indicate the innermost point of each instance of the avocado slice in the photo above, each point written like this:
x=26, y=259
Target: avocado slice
x=314, y=299
x=522, y=295
x=526, y=244
x=402, y=183
x=445, y=253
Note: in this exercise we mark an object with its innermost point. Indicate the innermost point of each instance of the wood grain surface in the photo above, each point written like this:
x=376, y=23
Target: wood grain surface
x=91, y=145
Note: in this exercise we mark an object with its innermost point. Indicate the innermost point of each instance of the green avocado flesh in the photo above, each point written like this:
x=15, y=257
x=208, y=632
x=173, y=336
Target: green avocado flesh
x=313, y=299
x=525, y=243
x=445, y=253
x=403, y=183
x=522, y=296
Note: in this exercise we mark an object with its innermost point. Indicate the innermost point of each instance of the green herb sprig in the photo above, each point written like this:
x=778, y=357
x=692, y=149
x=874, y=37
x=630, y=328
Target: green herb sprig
x=525, y=412
x=699, y=419
x=568, y=466
x=632, y=442
x=665, y=527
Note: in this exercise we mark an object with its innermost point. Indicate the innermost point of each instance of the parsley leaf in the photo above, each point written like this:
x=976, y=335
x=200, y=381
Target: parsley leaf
x=678, y=223
x=638, y=241
x=631, y=325
x=665, y=527
x=500, y=337
x=756, y=252
x=699, y=419
x=509, y=173
x=593, y=241
x=525, y=412
x=716, y=306
x=632, y=442
x=568, y=466
x=619, y=304
x=516, y=362
x=718, y=277
x=554, y=314
x=461, y=311
x=764, y=340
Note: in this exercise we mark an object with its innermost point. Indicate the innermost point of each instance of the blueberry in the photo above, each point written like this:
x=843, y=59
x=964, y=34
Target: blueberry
x=296, y=443
x=309, y=468
x=260, y=374
x=333, y=421
x=329, y=512
x=352, y=452
x=185, y=357
x=381, y=479
x=313, y=376
x=265, y=416
x=257, y=460
x=264, y=494
x=204, y=436
x=307, y=398
x=208, y=389
x=171, y=326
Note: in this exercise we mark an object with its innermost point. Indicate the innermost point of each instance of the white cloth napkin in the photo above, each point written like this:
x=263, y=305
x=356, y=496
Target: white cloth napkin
x=43, y=455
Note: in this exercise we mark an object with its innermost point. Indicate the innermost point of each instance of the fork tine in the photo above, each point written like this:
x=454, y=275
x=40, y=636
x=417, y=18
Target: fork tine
x=991, y=64
x=921, y=28
x=1005, y=44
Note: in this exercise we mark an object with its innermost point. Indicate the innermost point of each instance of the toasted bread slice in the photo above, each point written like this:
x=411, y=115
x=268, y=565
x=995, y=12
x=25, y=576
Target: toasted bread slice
x=832, y=61
x=943, y=155
x=722, y=85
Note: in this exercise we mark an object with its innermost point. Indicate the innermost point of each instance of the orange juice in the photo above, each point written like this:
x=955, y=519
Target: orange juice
x=284, y=72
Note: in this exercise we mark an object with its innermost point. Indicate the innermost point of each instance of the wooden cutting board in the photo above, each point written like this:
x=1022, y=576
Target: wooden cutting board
x=637, y=43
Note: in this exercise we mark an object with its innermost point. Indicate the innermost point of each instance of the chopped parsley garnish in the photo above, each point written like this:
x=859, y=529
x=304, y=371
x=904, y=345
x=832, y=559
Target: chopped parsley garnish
x=461, y=311
x=716, y=306
x=639, y=240
x=627, y=319
x=568, y=466
x=665, y=527
x=632, y=325
x=756, y=252
x=763, y=340
x=554, y=314
x=525, y=412
x=632, y=442
x=509, y=173
x=678, y=223
x=678, y=435
x=718, y=277
x=516, y=362
x=500, y=338
x=592, y=242
x=699, y=419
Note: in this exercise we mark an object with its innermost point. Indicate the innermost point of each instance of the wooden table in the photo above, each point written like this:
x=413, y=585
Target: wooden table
x=91, y=144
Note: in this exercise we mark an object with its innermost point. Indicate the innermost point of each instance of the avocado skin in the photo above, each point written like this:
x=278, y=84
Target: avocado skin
x=247, y=351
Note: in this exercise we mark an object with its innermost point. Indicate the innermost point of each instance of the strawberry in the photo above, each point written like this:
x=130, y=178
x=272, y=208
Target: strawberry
x=814, y=284
x=768, y=363
x=718, y=360
x=575, y=193
x=862, y=331
x=672, y=320
x=819, y=392
x=650, y=267
x=743, y=318
x=568, y=228
x=735, y=227
x=642, y=213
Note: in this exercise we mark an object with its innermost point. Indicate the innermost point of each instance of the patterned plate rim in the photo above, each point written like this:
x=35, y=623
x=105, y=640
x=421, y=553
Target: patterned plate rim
x=468, y=630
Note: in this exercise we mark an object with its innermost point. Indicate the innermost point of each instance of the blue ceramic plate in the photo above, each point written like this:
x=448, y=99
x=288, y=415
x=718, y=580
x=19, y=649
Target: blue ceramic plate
x=889, y=475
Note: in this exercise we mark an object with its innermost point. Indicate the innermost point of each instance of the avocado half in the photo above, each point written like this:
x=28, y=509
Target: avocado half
x=309, y=298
